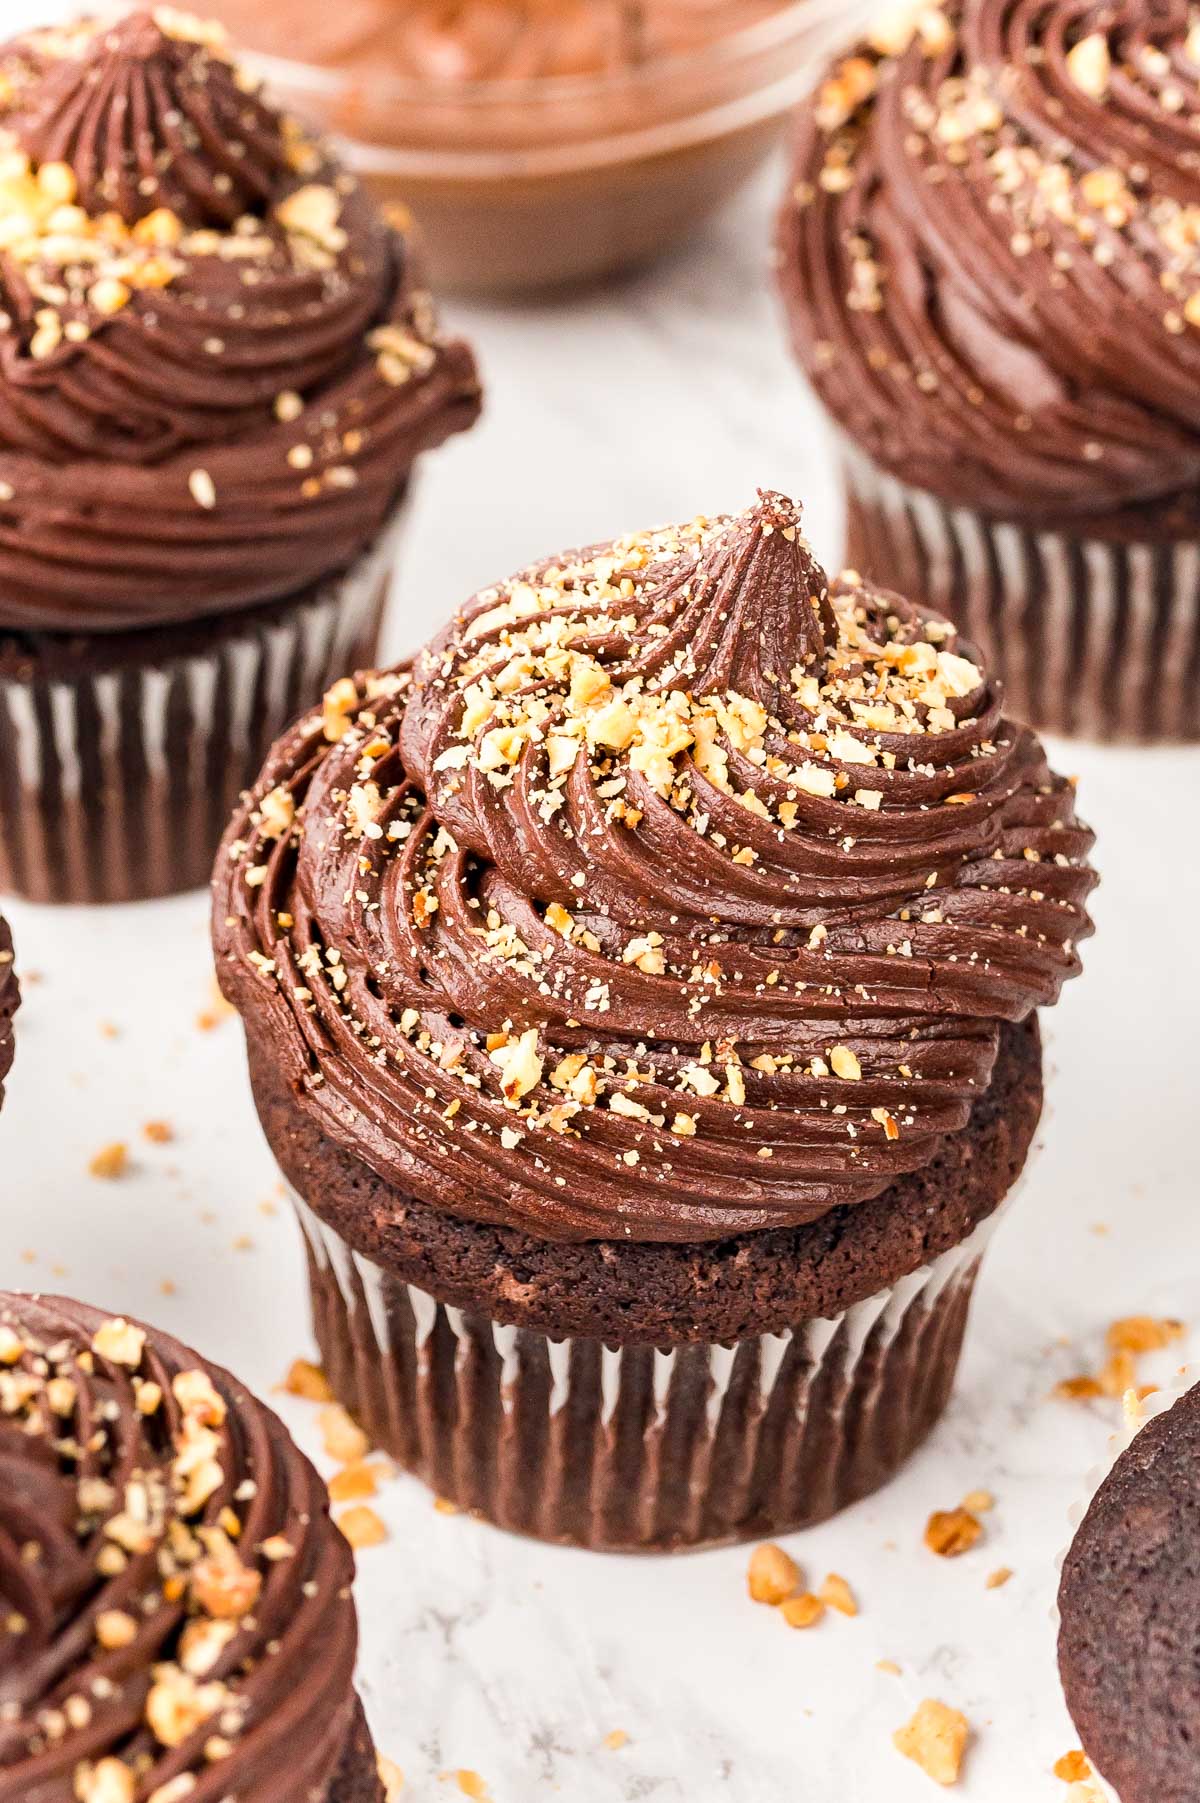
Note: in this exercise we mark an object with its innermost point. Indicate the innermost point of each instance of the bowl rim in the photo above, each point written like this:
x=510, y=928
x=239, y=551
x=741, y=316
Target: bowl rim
x=787, y=27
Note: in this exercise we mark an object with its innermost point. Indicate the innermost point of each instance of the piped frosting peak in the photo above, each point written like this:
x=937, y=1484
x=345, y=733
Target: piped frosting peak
x=673, y=892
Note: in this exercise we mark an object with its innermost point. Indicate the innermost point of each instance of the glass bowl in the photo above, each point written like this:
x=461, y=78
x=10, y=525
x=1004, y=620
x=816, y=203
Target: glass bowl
x=520, y=184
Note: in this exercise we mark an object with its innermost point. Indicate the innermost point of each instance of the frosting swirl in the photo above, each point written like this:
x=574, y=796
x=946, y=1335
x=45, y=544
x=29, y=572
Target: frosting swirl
x=673, y=894
x=174, y=1600
x=452, y=42
x=991, y=253
x=215, y=371
x=9, y=997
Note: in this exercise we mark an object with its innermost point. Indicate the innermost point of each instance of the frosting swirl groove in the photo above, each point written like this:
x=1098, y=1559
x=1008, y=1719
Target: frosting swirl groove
x=175, y=1610
x=992, y=252
x=215, y=370
x=674, y=893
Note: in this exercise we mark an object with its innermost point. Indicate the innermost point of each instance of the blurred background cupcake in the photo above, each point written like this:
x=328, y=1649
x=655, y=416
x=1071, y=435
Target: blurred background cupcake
x=990, y=257
x=177, y=1616
x=1129, y=1608
x=216, y=373
x=543, y=141
x=641, y=1001
x=9, y=997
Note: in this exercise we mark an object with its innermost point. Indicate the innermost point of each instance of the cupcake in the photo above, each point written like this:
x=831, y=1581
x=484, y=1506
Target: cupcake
x=216, y=373
x=641, y=996
x=1130, y=1616
x=9, y=997
x=177, y=1618
x=991, y=267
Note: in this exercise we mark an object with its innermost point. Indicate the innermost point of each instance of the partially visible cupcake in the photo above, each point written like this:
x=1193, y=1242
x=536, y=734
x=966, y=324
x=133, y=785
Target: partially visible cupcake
x=216, y=372
x=9, y=997
x=640, y=998
x=1129, y=1642
x=991, y=265
x=175, y=1610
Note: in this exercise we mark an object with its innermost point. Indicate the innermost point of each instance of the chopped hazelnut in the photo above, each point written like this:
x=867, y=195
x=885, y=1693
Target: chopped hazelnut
x=935, y=1739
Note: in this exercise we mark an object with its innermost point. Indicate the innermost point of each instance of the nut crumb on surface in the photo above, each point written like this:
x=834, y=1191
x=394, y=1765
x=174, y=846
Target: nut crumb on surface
x=773, y=1576
x=390, y=1776
x=803, y=1611
x=935, y=1739
x=616, y=1739
x=309, y=1381
x=996, y=1580
x=159, y=1133
x=110, y=1162
x=836, y=1593
x=362, y=1527
x=951, y=1532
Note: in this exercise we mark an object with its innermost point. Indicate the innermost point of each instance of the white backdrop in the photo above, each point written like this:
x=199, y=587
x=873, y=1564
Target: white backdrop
x=669, y=394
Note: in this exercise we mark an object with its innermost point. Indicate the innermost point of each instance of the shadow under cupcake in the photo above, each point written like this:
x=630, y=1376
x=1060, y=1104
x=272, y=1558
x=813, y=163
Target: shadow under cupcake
x=640, y=998
x=990, y=266
x=216, y=373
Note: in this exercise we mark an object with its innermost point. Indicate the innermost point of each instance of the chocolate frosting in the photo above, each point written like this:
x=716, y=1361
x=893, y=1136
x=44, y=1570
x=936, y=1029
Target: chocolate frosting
x=457, y=41
x=991, y=254
x=173, y=1596
x=215, y=370
x=674, y=894
x=9, y=998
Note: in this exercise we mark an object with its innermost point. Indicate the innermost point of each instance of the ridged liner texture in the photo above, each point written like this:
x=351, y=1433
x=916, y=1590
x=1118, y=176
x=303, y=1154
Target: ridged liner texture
x=1096, y=638
x=641, y=1448
x=118, y=772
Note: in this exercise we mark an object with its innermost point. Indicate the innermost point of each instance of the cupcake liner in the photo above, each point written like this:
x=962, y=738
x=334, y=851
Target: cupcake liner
x=121, y=756
x=640, y=1448
x=1099, y=638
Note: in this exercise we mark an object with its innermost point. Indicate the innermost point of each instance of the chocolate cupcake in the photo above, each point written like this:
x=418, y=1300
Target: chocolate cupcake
x=175, y=1609
x=1130, y=1616
x=9, y=997
x=640, y=998
x=991, y=268
x=215, y=375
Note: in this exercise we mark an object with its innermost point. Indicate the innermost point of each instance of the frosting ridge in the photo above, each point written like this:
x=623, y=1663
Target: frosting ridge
x=673, y=893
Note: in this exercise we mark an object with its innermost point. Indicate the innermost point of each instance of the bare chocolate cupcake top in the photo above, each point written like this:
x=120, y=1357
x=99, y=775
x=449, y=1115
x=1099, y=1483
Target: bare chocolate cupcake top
x=673, y=893
x=9, y=997
x=175, y=1609
x=215, y=370
x=1130, y=1616
x=991, y=252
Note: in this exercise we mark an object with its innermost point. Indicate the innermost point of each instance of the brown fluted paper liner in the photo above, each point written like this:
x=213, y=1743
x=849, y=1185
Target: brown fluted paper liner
x=119, y=766
x=640, y=1448
x=1096, y=638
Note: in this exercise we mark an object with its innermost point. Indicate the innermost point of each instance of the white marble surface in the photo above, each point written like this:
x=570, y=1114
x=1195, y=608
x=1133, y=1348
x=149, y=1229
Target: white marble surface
x=647, y=402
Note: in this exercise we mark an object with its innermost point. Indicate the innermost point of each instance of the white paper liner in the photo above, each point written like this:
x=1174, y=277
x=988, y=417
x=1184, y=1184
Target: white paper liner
x=868, y=1413
x=119, y=781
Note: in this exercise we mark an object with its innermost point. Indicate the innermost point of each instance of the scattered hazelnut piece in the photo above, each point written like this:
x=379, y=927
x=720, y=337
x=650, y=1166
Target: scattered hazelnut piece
x=999, y=1578
x=951, y=1532
x=110, y=1161
x=935, y=1739
x=803, y=1611
x=391, y=1778
x=343, y=1439
x=362, y=1527
x=119, y=1343
x=772, y=1576
x=836, y=1593
x=309, y=1381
